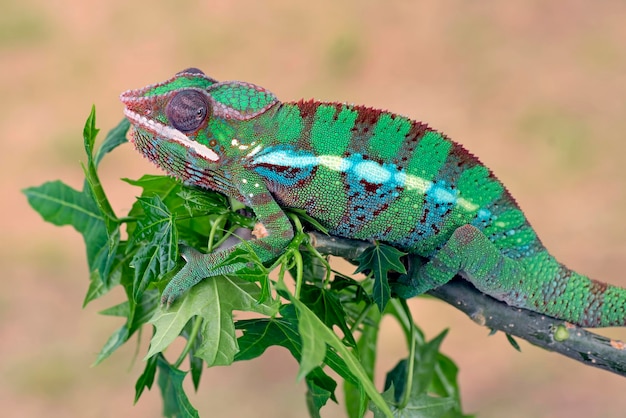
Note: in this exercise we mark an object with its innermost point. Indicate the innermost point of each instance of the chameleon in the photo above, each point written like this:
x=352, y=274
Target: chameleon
x=362, y=173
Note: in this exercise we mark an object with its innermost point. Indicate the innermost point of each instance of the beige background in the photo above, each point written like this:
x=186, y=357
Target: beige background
x=536, y=88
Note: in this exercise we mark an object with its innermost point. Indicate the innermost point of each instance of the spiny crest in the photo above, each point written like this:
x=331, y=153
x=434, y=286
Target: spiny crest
x=228, y=100
x=189, y=78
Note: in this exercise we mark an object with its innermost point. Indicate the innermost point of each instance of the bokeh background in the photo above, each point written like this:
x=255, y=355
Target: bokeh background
x=536, y=88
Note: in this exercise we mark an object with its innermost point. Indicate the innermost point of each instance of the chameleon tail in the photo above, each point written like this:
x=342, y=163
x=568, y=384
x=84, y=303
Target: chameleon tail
x=573, y=297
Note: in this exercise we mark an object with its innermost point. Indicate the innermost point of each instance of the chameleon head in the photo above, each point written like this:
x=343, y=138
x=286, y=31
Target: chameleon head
x=187, y=124
x=166, y=117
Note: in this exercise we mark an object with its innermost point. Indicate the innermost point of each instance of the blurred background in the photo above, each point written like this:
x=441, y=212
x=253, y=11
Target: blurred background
x=536, y=89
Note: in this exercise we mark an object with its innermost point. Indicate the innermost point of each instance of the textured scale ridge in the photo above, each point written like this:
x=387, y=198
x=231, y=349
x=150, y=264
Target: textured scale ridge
x=363, y=173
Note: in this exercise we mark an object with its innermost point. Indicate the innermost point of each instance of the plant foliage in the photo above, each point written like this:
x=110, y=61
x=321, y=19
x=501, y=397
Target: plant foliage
x=167, y=215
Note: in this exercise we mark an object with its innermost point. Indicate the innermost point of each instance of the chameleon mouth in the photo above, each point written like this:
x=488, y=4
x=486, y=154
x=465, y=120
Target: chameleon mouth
x=171, y=134
x=154, y=127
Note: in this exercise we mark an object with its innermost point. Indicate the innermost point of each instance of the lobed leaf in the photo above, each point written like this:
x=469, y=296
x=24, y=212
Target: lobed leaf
x=380, y=259
x=213, y=300
x=175, y=401
x=62, y=205
x=167, y=212
x=156, y=241
x=312, y=331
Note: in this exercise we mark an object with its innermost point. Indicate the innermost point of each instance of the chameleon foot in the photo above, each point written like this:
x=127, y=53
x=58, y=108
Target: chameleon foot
x=192, y=273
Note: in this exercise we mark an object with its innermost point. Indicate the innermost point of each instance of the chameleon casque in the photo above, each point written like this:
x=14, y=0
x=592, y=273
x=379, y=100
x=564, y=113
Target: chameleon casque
x=362, y=173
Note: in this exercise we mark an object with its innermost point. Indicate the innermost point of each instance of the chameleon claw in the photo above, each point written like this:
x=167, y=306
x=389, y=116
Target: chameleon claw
x=186, y=278
x=171, y=292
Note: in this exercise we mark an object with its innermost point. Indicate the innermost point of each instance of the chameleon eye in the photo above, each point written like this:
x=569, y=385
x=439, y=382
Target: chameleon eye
x=187, y=110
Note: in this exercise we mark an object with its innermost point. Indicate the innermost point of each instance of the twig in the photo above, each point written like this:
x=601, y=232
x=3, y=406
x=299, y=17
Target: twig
x=543, y=331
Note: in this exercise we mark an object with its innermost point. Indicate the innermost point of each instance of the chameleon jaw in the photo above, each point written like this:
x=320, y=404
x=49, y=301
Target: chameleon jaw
x=164, y=131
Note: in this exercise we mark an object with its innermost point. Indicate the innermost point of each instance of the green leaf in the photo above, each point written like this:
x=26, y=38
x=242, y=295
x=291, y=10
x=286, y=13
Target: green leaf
x=168, y=212
x=199, y=201
x=115, y=138
x=121, y=309
x=138, y=315
x=147, y=377
x=141, y=312
x=253, y=270
x=422, y=406
x=316, y=398
x=381, y=259
x=114, y=342
x=92, y=182
x=92, y=188
x=118, y=270
x=213, y=300
x=420, y=400
x=312, y=332
x=327, y=306
x=157, y=242
x=175, y=402
x=191, y=211
x=195, y=362
x=315, y=334
x=151, y=184
x=97, y=288
x=445, y=384
x=90, y=132
x=513, y=342
x=356, y=404
x=259, y=334
x=425, y=362
x=61, y=205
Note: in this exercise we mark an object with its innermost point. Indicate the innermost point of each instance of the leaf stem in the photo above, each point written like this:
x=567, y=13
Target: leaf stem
x=322, y=259
x=190, y=341
x=227, y=234
x=406, y=396
x=127, y=219
x=360, y=318
x=214, y=228
x=299, y=272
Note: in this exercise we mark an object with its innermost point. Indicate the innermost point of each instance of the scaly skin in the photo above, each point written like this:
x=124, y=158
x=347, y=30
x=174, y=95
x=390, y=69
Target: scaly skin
x=362, y=173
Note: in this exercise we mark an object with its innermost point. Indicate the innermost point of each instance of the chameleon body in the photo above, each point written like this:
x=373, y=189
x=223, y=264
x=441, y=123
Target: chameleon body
x=364, y=174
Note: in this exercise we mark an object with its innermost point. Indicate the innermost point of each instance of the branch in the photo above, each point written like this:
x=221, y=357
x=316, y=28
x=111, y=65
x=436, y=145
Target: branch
x=543, y=331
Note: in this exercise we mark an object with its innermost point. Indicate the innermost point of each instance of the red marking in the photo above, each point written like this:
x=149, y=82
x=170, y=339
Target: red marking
x=275, y=168
x=308, y=107
x=367, y=117
x=597, y=287
x=424, y=215
x=369, y=187
x=380, y=210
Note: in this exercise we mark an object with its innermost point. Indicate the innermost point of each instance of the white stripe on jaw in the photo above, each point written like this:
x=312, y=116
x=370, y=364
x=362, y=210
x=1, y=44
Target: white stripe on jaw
x=173, y=134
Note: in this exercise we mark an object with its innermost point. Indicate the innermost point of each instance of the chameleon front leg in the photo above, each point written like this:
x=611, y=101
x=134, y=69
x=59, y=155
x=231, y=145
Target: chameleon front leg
x=467, y=252
x=277, y=234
